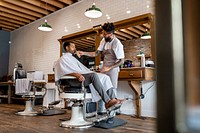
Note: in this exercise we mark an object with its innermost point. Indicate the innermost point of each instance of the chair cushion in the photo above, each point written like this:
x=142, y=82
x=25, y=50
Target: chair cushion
x=72, y=86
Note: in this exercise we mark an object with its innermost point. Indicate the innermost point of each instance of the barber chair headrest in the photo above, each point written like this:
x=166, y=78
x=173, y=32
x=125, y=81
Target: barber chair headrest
x=19, y=72
x=18, y=65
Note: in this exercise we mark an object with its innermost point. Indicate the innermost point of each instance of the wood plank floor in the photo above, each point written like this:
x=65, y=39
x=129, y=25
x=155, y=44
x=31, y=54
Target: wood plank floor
x=12, y=123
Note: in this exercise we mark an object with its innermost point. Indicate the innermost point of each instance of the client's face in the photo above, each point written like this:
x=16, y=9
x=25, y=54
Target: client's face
x=72, y=48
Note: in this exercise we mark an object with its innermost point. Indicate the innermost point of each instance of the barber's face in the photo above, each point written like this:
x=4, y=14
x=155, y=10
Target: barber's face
x=71, y=48
x=107, y=36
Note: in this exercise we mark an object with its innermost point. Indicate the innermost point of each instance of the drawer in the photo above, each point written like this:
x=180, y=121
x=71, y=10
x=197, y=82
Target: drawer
x=131, y=74
x=51, y=78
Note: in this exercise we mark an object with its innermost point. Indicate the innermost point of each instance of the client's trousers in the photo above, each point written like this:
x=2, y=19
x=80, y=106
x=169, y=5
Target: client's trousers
x=94, y=79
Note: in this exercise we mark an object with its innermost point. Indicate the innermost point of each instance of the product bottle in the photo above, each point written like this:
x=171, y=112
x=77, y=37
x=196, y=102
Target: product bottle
x=101, y=64
x=142, y=60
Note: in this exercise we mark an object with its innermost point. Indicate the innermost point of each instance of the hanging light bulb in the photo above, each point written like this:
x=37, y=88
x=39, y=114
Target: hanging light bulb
x=93, y=12
x=45, y=26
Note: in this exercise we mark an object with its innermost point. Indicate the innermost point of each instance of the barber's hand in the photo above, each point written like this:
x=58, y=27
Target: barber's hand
x=81, y=53
x=105, y=69
x=80, y=77
x=78, y=54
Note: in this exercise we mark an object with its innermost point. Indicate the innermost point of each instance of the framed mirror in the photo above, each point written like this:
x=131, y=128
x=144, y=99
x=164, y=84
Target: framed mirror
x=128, y=31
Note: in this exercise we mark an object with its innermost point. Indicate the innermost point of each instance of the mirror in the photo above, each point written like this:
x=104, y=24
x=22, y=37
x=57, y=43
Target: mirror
x=127, y=31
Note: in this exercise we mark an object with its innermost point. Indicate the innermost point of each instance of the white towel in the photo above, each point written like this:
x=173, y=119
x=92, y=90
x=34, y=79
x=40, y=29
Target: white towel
x=23, y=86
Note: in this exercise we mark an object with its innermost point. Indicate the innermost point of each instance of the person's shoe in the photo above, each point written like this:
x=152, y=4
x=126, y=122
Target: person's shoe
x=113, y=104
x=110, y=120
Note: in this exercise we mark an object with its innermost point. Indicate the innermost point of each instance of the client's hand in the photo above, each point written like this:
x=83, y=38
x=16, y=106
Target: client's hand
x=80, y=77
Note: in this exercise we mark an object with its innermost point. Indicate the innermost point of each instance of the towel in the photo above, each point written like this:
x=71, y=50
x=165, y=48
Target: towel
x=23, y=86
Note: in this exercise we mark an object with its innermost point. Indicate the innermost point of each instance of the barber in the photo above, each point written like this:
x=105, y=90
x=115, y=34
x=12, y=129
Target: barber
x=112, y=50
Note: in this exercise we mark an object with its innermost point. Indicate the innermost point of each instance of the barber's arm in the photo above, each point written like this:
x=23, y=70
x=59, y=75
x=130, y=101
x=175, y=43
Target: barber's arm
x=118, y=63
x=79, y=76
x=90, y=54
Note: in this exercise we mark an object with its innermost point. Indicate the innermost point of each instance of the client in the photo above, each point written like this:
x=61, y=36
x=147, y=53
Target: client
x=68, y=65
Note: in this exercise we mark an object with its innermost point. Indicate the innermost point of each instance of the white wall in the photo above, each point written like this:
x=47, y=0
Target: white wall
x=38, y=50
x=148, y=104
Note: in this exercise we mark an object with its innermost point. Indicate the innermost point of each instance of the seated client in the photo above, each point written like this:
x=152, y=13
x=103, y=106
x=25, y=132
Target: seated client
x=69, y=65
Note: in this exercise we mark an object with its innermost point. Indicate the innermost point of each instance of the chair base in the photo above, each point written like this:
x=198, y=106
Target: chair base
x=28, y=109
x=77, y=120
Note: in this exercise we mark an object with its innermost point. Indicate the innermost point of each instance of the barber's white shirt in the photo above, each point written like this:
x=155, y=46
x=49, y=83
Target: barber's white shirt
x=68, y=64
x=115, y=45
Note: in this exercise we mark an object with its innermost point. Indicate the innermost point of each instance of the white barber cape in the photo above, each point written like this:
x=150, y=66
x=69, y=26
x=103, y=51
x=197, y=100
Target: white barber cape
x=68, y=64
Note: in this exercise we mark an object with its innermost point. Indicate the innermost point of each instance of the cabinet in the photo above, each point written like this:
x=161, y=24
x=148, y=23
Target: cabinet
x=134, y=76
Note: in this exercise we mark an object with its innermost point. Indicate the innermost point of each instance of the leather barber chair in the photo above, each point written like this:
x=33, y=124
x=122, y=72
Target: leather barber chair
x=84, y=111
x=28, y=89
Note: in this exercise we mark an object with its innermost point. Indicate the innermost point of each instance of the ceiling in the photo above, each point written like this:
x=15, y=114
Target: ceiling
x=17, y=13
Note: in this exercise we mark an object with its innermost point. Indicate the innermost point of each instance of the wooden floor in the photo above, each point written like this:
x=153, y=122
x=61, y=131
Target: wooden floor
x=12, y=123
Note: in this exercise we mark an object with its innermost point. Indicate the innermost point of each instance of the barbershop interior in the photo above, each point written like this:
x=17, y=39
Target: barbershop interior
x=85, y=66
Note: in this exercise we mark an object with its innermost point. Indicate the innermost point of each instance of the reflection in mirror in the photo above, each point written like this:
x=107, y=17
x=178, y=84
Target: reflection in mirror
x=128, y=31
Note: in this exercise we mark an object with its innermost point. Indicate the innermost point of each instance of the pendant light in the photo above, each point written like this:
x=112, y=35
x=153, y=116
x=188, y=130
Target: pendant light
x=146, y=35
x=93, y=12
x=45, y=26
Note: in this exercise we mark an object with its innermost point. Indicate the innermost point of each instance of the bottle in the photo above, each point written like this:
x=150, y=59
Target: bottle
x=142, y=60
x=101, y=65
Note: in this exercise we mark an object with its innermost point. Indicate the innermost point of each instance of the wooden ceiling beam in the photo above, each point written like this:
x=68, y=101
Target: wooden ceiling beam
x=6, y=29
x=130, y=33
x=81, y=41
x=123, y=34
x=68, y=2
x=140, y=28
x=28, y=6
x=147, y=25
x=81, y=46
x=54, y=3
x=90, y=38
x=6, y=26
x=9, y=24
x=3, y=9
x=41, y=5
x=19, y=9
x=135, y=30
x=14, y=17
x=89, y=41
x=121, y=38
x=12, y=20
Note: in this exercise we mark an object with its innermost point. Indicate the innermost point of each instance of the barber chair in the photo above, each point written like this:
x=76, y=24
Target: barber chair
x=37, y=90
x=84, y=111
